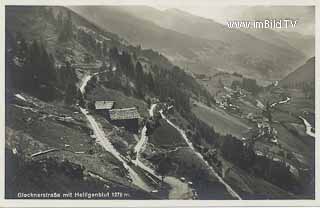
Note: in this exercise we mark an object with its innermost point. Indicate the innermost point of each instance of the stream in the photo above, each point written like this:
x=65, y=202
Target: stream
x=308, y=127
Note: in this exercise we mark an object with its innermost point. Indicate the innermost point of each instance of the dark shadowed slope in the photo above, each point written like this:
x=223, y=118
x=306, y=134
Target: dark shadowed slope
x=304, y=74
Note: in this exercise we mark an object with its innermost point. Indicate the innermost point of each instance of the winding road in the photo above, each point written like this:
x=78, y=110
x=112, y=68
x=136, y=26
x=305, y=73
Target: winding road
x=106, y=144
x=104, y=141
x=151, y=110
x=179, y=189
x=86, y=79
x=142, y=142
x=229, y=189
x=281, y=102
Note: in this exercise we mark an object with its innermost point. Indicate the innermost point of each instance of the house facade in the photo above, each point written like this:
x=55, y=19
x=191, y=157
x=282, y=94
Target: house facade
x=125, y=117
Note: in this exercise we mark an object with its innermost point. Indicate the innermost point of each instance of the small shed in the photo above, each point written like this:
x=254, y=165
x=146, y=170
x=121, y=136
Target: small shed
x=126, y=117
x=104, y=106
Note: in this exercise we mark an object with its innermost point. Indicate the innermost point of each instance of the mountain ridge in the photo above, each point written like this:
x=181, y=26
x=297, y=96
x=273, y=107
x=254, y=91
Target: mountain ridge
x=247, y=54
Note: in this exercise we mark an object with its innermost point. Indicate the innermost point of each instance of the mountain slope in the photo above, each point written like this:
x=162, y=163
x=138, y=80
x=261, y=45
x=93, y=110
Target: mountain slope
x=303, y=74
x=306, y=43
x=302, y=37
x=271, y=37
x=199, y=44
x=59, y=127
x=37, y=126
x=290, y=40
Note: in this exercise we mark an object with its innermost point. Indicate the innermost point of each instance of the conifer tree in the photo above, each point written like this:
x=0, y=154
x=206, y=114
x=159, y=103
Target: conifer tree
x=65, y=25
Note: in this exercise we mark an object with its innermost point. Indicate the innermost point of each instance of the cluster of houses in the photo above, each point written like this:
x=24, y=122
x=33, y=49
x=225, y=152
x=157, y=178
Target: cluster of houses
x=225, y=101
x=123, y=117
x=256, y=118
x=202, y=77
x=264, y=128
x=267, y=131
x=226, y=104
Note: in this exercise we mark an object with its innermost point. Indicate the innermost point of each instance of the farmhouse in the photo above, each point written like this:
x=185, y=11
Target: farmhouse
x=104, y=106
x=170, y=109
x=126, y=117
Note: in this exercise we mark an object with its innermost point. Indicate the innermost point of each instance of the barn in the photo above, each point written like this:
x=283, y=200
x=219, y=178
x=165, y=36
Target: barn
x=104, y=107
x=126, y=117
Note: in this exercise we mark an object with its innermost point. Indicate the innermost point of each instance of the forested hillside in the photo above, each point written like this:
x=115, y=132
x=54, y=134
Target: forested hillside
x=54, y=73
x=302, y=78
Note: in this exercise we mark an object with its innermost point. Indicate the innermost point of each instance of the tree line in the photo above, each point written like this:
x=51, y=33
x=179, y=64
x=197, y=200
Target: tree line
x=156, y=82
x=247, y=84
x=29, y=67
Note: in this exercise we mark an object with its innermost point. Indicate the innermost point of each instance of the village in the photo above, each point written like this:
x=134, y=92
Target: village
x=262, y=134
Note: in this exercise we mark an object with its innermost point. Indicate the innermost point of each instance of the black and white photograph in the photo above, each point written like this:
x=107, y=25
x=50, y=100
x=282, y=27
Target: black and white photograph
x=159, y=102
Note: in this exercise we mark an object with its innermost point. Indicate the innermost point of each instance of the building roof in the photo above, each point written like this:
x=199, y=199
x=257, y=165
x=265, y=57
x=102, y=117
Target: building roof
x=103, y=105
x=124, y=114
